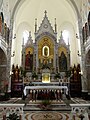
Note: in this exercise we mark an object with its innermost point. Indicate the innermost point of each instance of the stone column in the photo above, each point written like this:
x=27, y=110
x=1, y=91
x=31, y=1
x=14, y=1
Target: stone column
x=9, y=55
x=57, y=61
x=54, y=62
x=34, y=61
x=36, y=58
x=83, y=77
x=23, y=55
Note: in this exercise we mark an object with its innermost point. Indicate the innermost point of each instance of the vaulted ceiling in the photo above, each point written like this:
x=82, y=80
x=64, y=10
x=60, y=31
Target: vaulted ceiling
x=62, y=10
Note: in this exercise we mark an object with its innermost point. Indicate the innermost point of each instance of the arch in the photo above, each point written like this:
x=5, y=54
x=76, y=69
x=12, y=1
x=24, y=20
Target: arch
x=66, y=36
x=20, y=2
x=25, y=36
x=70, y=2
x=16, y=7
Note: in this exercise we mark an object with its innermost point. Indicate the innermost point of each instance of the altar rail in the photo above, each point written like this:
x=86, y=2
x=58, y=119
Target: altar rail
x=6, y=109
x=80, y=110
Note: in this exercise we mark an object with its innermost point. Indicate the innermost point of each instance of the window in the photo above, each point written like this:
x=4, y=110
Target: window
x=66, y=36
x=25, y=36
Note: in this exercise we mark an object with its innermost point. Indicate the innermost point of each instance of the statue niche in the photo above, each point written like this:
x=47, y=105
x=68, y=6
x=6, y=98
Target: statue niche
x=62, y=62
x=46, y=51
x=29, y=62
x=45, y=62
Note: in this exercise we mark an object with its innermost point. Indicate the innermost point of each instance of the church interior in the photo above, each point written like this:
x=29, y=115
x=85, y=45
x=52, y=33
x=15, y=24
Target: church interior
x=45, y=59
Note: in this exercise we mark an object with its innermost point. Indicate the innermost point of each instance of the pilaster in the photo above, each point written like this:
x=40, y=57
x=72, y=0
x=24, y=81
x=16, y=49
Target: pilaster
x=83, y=78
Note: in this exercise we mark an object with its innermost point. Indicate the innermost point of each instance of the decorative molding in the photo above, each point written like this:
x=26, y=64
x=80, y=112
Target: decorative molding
x=45, y=34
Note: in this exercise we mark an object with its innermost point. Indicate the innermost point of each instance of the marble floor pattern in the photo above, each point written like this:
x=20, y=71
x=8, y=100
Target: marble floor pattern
x=36, y=114
x=52, y=115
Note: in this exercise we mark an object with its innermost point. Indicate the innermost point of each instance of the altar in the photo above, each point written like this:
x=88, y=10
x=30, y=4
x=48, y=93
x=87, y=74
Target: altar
x=35, y=88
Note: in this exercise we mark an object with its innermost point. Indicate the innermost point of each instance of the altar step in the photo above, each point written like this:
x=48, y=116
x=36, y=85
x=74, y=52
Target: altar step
x=53, y=107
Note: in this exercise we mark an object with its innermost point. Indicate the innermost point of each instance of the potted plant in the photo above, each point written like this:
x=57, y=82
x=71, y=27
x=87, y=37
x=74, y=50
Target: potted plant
x=57, y=76
x=22, y=72
x=34, y=75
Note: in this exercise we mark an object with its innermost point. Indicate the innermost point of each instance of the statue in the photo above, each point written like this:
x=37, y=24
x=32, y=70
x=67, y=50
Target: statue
x=62, y=62
x=45, y=51
x=29, y=61
x=17, y=73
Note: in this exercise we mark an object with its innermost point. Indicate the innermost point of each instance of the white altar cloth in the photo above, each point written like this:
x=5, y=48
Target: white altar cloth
x=45, y=88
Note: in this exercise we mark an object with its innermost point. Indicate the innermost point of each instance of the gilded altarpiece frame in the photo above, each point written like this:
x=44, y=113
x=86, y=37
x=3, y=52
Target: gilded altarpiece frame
x=45, y=59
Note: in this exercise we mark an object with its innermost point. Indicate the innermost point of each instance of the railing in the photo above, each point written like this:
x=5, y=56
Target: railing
x=80, y=110
x=7, y=109
x=77, y=111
